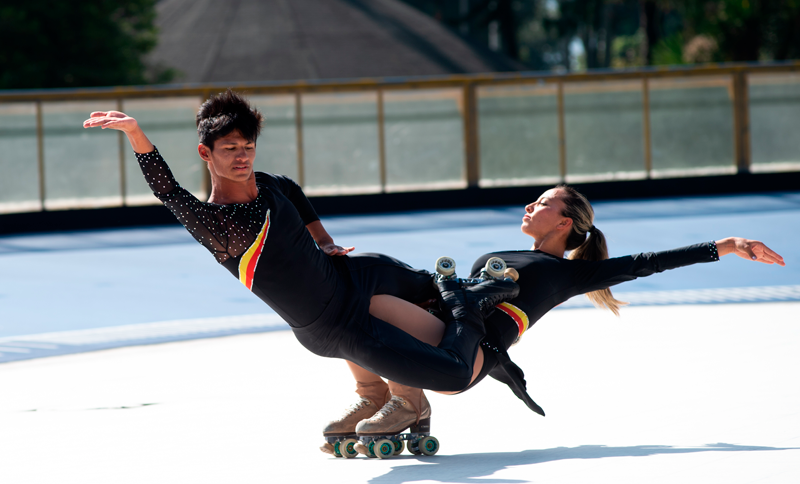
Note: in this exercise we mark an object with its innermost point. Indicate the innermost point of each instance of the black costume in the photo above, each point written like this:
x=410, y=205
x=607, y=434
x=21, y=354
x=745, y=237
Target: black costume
x=546, y=281
x=325, y=300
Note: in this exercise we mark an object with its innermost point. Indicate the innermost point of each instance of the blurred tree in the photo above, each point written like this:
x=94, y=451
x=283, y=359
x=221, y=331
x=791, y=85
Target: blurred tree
x=52, y=43
x=744, y=30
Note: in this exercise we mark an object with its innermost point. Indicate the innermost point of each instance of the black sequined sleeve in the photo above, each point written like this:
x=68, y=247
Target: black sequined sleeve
x=602, y=274
x=199, y=218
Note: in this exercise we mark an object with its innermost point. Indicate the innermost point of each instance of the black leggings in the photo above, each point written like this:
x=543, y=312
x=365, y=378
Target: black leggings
x=347, y=330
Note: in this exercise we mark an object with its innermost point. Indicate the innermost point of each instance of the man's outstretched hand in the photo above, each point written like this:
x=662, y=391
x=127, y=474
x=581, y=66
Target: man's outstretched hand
x=121, y=122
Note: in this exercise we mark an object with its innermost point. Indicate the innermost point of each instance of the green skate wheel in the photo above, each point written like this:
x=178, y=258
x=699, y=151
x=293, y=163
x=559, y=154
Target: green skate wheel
x=383, y=448
x=445, y=266
x=336, y=451
x=347, y=448
x=495, y=267
x=399, y=445
x=429, y=445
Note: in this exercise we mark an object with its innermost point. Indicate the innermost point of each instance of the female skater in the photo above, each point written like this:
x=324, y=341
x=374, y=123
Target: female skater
x=263, y=229
x=560, y=220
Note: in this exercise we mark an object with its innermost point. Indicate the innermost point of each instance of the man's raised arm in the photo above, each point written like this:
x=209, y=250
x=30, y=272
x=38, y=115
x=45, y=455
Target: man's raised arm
x=122, y=122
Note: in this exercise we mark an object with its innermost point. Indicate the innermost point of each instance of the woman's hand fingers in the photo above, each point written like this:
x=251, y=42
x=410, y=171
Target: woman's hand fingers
x=765, y=254
x=758, y=251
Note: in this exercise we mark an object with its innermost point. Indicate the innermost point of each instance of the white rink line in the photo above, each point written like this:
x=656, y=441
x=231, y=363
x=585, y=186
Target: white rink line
x=26, y=347
x=700, y=296
x=66, y=342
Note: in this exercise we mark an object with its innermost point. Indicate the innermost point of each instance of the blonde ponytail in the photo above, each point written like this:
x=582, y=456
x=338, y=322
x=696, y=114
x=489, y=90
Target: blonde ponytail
x=593, y=247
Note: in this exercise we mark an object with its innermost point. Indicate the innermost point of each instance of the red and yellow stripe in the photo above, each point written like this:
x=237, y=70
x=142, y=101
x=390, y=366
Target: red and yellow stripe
x=249, y=260
x=517, y=314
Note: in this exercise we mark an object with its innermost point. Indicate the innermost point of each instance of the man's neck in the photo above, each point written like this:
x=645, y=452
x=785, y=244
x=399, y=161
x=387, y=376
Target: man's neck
x=227, y=192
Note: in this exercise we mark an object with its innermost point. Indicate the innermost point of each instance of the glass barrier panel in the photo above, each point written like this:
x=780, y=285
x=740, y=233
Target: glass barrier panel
x=19, y=158
x=691, y=125
x=170, y=125
x=774, y=120
x=603, y=130
x=340, y=143
x=424, y=139
x=518, y=134
x=277, y=146
x=82, y=166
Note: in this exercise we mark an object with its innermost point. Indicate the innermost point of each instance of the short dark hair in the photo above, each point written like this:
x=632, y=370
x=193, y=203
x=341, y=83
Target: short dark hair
x=226, y=112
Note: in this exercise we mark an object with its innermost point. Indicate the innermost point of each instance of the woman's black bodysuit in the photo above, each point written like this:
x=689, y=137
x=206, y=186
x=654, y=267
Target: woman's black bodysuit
x=545, y=281
x=325, y=299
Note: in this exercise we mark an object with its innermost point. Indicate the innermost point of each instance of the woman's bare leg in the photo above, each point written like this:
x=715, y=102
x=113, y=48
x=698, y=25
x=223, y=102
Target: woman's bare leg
x=415, y=321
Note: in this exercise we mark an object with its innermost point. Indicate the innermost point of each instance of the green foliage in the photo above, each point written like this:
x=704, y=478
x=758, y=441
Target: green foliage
x=744, y=30
x=52, y=43
x=668, y=51
x=626, y=51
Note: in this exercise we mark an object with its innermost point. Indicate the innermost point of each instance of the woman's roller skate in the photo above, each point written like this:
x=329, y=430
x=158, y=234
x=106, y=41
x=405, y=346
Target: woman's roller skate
x=383, y=434
x=468, y=299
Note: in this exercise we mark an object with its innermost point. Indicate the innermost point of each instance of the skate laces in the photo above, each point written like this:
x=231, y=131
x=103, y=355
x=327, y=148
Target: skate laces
x=395, y=403
x=355, y=408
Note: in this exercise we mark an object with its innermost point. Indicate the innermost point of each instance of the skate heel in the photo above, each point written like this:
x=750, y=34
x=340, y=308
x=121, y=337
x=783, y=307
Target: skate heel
x=424, y=426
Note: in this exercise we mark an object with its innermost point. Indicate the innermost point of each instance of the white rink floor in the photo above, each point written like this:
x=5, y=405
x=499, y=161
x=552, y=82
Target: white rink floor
x=670, y=394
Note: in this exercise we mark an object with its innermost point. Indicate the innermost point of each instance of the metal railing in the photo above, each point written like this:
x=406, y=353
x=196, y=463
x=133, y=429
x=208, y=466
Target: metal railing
x=475, y=124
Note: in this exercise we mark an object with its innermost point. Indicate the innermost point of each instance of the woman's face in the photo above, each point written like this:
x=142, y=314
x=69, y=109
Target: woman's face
x=544, y=215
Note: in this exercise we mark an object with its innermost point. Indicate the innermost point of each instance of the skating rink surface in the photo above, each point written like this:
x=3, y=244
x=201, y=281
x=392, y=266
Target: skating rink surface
x=695, y=383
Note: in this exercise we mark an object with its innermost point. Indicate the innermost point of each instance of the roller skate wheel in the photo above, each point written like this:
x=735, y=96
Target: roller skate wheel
x=347, y=448
x=511, y=273
x=399, y=445
x=445, y=266
x=429, y=445
x=495, y=267
x=383, y=448
x=413, y=447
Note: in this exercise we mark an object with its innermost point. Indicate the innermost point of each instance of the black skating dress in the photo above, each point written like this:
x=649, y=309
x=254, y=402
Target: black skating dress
x=545, y=281
x=325, y=299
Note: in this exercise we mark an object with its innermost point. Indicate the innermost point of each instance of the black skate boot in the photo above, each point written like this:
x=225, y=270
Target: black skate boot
x=464, y=305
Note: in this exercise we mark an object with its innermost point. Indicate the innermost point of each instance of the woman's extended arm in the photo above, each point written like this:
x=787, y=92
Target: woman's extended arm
x=122, y=122
x=749, y=249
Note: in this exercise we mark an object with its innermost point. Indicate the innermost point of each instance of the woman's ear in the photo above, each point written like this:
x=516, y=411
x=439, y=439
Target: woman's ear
x=565, y=224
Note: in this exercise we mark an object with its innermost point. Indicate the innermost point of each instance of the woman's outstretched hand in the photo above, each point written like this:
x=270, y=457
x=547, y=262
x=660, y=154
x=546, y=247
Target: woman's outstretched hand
x=333, y=249
x=749, y=249
x=121, y=122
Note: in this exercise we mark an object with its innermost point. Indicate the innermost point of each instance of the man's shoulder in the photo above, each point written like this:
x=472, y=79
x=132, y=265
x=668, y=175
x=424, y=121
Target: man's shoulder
x=271, y=178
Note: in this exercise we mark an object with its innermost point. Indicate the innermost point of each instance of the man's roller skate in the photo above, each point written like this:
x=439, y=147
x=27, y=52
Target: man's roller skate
x=383, y=434
x=340, y=434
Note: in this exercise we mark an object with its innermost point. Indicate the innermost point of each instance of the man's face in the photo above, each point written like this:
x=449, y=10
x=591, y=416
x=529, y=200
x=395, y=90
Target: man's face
x=231, y=158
